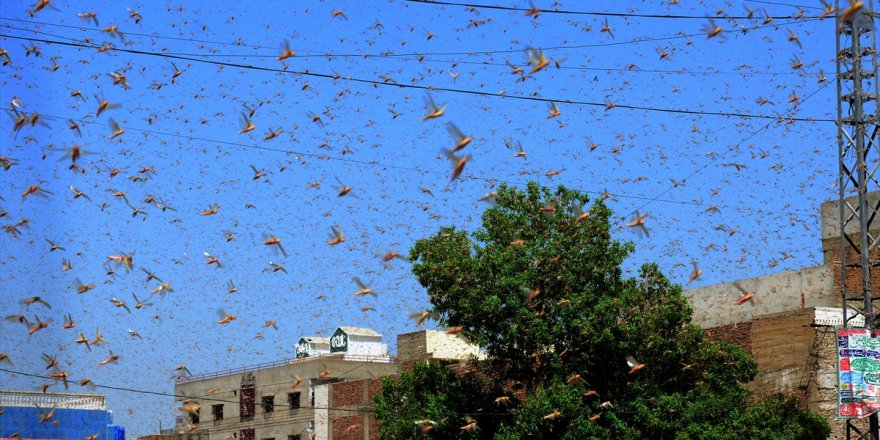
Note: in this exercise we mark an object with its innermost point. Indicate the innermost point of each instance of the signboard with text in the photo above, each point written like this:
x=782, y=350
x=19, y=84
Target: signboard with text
x=339, y=342
x=858, y=373
x=302, y=348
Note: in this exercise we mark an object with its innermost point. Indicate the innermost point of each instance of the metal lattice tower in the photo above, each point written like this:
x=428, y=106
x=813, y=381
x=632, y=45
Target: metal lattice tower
x=857, y=113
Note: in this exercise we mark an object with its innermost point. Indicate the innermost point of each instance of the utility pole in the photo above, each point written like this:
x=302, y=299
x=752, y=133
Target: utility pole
x=857, y=113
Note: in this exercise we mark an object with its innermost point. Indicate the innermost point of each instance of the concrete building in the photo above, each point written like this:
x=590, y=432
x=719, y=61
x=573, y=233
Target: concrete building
x=279, y=400
x=434, y=346
x=344, y=409
x=354, y=341
x=37, y=415
x=790, y=325
x=325, y=393
x=311, y=346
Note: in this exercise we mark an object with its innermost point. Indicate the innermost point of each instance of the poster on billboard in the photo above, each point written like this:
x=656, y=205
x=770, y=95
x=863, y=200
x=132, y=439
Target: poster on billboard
x=858, y=372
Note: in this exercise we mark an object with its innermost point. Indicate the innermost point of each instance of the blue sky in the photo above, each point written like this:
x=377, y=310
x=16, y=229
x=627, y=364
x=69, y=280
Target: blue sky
x=366, y=74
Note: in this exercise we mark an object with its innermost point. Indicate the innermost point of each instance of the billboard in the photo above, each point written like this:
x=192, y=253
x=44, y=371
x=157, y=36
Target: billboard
x=858, y=373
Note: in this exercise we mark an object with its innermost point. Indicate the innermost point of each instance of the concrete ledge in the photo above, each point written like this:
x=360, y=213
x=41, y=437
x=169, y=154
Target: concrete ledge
x=715, y=305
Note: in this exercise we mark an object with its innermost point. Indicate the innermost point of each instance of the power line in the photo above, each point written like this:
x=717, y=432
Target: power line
x=207, y=398
x=388, y=54
x=410, y=86
x=715, y=159
x=165, y=37
x=422, y=58
x=783, y=4
x=156, y=393
x=591, y=13
x=606, y=105
x=636, y=69
x=649, y=199
x=678, y=36
x=343, y=375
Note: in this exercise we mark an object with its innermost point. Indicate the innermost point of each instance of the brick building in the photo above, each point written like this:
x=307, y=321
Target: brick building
x=790, y=325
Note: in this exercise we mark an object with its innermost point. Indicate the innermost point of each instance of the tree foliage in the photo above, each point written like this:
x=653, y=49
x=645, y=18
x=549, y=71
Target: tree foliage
x=540, y=287
x=435, y=400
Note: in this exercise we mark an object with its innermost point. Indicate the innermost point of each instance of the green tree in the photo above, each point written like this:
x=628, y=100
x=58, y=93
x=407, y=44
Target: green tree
x=580, y=350
x=434, y=401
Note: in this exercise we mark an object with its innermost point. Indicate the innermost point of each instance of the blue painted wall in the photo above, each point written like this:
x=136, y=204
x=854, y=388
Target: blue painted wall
x=74, y=424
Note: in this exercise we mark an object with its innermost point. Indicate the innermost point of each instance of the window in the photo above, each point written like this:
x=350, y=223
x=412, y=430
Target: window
x=194, y=417
x=217, y=411
x=293, y=400
x=247, y=406
x=247, y=434
x=294, y=437
x=268, y=404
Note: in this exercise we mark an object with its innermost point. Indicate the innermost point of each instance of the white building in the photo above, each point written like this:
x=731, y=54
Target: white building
x=356, y=341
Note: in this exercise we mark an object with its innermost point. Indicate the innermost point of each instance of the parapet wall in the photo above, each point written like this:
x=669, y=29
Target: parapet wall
x=716, y=305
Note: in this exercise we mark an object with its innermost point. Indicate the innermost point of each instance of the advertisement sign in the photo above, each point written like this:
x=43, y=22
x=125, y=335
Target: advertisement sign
x=858, y=373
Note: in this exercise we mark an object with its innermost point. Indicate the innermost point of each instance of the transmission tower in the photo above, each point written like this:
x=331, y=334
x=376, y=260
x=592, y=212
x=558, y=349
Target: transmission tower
x=857, y=112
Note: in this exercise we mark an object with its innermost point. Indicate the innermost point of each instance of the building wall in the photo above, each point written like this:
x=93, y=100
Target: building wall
x=196, y=435
x=441, y=345
x=322, y=412
x=366, y=346
x=831, y=246
x=817, y=286
x=716, y=305
x=796, y=355
x=274, y=381
x=781, y=345
x=433, y=346
x=739, y=333
x=411, y=347
x=350, y=412
x=350, y=428
x=65, y=424
x=831, y=252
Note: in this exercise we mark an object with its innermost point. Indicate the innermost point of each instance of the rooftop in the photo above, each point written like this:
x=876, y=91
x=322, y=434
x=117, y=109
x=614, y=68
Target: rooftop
x=359, y=331
x=385, y=359
x=317, y=340
x=13, y=398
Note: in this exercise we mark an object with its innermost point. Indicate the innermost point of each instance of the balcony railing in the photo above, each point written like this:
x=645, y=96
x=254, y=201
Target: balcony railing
x=385, y=359
x=48, y=400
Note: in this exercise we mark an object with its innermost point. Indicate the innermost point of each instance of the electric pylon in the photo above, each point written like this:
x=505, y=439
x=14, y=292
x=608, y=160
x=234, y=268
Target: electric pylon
x=857, y=128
